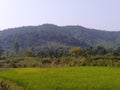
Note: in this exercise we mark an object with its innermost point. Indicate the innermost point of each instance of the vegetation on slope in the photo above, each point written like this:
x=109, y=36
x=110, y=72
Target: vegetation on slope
x=44, y=35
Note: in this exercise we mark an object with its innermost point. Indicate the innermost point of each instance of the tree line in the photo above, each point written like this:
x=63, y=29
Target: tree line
x=59, y=56
x=59, y=51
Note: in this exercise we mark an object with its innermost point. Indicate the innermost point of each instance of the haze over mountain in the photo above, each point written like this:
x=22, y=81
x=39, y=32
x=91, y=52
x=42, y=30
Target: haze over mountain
x=53, y=35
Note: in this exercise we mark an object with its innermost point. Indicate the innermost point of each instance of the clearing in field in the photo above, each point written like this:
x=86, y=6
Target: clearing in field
x=69, y=78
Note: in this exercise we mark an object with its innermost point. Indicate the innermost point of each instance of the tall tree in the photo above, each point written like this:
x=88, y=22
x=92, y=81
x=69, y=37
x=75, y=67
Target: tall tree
x=16, y=48
x=1, y=51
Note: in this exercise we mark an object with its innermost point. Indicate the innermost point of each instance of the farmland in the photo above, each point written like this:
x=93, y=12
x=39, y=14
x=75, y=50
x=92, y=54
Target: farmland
x=65, y=78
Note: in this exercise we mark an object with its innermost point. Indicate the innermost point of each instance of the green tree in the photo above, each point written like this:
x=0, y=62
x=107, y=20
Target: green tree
x=16, y=48
x=90, y=51
x=76, y=51
x=27, y=52
x=1, y=51
x=117, y=52
x=100, y=50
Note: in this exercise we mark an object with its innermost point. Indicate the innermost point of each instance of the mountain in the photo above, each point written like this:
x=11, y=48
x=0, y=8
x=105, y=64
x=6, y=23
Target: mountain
x=53, y=35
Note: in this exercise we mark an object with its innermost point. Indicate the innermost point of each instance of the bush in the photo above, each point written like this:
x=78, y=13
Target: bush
x=46, y=61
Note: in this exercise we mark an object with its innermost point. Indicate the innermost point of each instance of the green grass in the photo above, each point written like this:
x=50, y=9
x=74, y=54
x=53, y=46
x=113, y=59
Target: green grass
x=69, y=78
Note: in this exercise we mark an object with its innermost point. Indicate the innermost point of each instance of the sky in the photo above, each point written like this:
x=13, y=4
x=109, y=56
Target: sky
x=98, y=14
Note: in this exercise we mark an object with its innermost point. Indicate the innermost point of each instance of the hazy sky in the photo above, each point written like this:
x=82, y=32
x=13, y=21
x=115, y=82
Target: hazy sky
x=99, y=14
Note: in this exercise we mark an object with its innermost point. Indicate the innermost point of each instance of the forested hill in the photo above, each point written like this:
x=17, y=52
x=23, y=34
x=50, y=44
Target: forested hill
x=49, y=34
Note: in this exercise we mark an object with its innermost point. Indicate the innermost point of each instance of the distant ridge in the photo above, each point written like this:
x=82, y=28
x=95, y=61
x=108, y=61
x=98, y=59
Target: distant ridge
x=50, y=34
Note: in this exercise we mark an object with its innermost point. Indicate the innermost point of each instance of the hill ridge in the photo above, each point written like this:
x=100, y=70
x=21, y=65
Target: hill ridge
x=68, y=36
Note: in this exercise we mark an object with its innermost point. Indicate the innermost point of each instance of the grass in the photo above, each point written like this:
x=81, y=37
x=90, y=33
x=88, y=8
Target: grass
x=69, y=78
x=7, y=85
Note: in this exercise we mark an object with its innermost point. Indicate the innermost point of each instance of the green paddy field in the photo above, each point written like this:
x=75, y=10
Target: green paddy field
x=67, y=78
